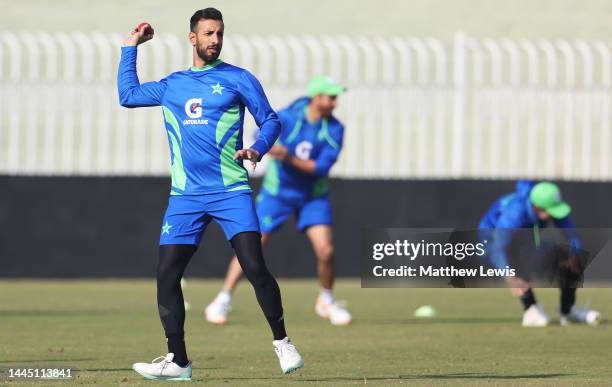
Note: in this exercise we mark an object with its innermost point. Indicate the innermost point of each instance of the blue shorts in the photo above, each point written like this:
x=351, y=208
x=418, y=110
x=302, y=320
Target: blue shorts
x=274, y=211
x=188, y=215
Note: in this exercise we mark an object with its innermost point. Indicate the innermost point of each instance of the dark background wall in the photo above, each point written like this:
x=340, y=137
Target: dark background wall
x=109, y=227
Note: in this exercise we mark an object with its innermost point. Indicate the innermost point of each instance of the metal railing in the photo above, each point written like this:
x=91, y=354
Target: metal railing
x=416, y=107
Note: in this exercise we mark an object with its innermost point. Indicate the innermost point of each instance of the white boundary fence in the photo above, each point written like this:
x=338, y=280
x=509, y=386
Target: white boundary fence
x=416, y=107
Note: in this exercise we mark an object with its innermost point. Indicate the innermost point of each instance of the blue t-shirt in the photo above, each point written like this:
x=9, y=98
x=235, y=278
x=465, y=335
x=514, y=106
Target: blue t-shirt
x=320, y=141
x=203, y=112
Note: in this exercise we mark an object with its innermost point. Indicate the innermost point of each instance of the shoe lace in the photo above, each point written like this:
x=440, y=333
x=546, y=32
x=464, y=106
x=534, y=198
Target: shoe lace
x=223, y=306
x=339, y=305
x=290, y=348
x=580, y=312
x=286, y=348
x=162, y=361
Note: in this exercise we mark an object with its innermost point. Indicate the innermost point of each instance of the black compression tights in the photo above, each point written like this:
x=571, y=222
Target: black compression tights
x=247, y=246
x=173, y=260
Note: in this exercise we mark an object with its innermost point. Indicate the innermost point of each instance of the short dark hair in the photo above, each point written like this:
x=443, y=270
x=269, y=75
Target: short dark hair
x=206, y=13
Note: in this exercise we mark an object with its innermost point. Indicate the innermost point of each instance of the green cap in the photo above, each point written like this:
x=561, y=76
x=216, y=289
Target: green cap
x=547, y=196
x=324, y=85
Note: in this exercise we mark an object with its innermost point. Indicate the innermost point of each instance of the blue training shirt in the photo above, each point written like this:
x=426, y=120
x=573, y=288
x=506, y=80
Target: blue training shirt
x=514, y=211
x=320, y=141
x=203, y=111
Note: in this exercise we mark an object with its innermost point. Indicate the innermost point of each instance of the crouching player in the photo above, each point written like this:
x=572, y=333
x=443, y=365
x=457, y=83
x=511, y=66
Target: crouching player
x=533, y=205
x=296, y=183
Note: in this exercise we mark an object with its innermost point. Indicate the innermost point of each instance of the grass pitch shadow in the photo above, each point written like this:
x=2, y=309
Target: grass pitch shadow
x=55, y=313
x=475, y=375
x=450, y=376
x=448, y=320
x=43, y=361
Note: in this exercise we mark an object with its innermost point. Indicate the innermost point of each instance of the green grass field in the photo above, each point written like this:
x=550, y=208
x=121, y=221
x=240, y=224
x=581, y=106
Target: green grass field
x=99, y=328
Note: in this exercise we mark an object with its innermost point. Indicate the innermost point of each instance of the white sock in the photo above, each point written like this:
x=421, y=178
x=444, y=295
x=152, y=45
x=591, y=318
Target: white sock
x=224, y=297
x=326, y=296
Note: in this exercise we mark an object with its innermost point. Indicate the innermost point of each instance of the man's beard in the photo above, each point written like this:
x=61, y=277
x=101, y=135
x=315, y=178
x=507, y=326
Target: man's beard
x=325, y=112
x=205, y=57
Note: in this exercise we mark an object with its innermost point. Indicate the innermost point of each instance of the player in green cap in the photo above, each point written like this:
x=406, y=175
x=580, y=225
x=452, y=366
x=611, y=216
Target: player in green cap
x=533, y=205
x=296, y=184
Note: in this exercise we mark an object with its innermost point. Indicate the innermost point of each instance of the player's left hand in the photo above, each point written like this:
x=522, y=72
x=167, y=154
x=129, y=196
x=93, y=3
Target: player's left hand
x=248, y=154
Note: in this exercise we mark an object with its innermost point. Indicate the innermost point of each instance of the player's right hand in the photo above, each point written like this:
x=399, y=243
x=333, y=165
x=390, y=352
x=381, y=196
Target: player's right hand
x=142, y=33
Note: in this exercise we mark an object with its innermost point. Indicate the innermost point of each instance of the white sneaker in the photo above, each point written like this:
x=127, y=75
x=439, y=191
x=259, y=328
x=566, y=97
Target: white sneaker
x=290, y=359
x=535, y=317
x=581, y=316
x=164, y=369
x=336, y=312
x=216, y=312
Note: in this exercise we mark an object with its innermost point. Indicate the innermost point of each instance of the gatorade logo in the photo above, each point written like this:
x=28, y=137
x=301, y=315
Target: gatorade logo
x=193, y=108
x=303, y=149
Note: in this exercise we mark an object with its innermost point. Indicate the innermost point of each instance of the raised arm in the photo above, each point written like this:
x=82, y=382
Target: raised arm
x=131, y=92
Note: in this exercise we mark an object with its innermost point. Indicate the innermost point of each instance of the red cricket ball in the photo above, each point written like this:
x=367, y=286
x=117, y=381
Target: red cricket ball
x=146, y=26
